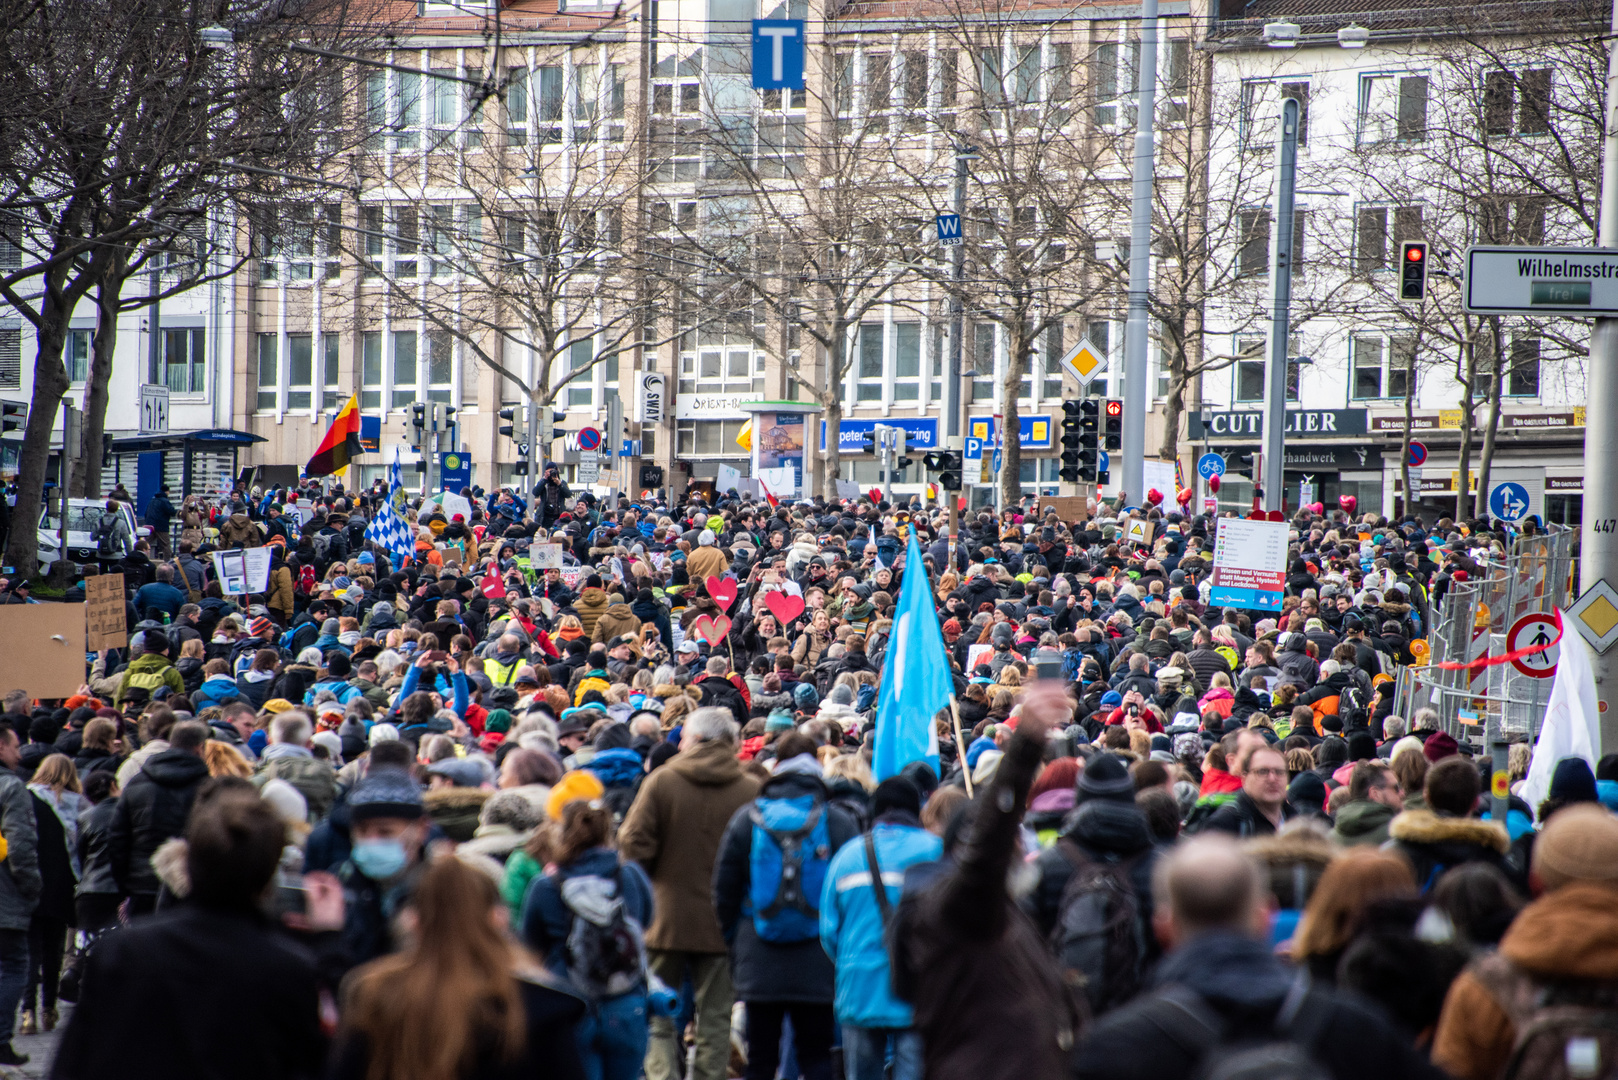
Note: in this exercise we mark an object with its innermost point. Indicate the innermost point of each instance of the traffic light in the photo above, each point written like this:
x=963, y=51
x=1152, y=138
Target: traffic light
x=651, y=476
x=1112, y=430
x=106, y=451
x=867, y=442
x=13, y=416
x=900, y=464
x=418, y=420
x=1413, y=270
x=1081, y=421
x=444, y=418
x=516, y=426
x=546, y=432
x=949, y=470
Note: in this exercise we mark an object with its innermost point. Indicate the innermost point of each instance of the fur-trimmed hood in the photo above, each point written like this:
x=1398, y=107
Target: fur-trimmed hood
x=1426, y=827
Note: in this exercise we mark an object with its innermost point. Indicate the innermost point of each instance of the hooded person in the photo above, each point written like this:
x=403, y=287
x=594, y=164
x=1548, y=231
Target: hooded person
x=1568, y=937
x=1106, y=831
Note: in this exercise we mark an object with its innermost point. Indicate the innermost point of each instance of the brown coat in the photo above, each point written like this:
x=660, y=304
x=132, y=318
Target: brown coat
x=590, y=605
x=674, y=830
x=240, y=531
x=705, y=562
x=1571, y=932
x=280, y=599
x=617, y=619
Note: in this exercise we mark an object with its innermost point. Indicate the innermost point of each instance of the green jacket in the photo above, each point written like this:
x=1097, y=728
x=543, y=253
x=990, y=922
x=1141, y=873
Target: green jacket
x=521, y=870
x=1363, y=822
x=148, y=672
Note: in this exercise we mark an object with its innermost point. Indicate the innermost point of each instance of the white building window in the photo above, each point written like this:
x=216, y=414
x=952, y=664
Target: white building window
x=1393, y=107
x=76, y=355
x=1261, y=110
x=269, y=365
x=300, y=371
x=405, y=390
x=184, y=367
x=581, y=377
x=440, y=365
x=331, y=391
x=371, y=370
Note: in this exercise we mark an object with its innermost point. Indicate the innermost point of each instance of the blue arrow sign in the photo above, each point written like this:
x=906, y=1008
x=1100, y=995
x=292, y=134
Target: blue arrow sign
x=1103, y=462
x=1509, y=501
x=996, y=464
x=1210, y=465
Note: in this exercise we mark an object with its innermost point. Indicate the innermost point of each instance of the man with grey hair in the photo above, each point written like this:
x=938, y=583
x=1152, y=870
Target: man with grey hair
x=1222, y=991
x=289, y=758
x=674, y=830
x=1394, y=728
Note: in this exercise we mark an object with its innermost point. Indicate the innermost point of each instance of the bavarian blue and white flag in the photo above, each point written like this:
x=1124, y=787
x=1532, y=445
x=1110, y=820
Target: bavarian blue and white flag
x=916, y=679
x=388, y=529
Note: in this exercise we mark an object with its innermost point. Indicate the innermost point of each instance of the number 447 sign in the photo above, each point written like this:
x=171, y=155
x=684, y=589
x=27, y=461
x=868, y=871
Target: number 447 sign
x=154, y=409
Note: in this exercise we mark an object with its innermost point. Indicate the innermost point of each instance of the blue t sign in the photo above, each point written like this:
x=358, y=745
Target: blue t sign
x=778, y=49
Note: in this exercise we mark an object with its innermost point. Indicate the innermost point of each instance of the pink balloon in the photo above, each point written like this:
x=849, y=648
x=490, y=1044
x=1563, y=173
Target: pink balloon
x=1348, y=503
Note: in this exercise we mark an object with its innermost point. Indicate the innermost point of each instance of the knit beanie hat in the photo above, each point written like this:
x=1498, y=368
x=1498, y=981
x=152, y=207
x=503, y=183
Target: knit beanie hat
x=386, y=793
x=579, y=784
x=1580, y=843
x=1572, y=781
x=497, y=720
x=895, y=793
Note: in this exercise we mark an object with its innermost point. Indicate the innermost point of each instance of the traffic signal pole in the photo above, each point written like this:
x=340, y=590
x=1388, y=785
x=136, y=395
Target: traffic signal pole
x=1598, y=559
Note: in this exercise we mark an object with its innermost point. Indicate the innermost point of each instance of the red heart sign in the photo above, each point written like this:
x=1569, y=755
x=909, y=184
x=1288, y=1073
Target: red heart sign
x=1154, y=496
x=710, y=628
x=723, y=592
x=1348, y=503
x=1213, y=484
x=784, y=606
x=875, y=494
x=493, y=587
x=1316, y=508
x=1184, y=497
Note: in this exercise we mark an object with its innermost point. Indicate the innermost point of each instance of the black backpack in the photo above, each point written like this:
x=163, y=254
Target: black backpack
x=1100, y=932
x=1285, y=1052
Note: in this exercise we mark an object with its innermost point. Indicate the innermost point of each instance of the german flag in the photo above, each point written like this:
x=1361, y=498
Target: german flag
x=341, y=443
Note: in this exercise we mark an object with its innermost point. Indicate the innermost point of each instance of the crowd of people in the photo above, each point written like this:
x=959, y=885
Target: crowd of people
x=584, y=788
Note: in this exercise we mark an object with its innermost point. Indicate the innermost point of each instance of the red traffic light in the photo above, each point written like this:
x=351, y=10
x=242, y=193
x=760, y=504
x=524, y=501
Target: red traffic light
x=1115, y=408
x=1415, y=253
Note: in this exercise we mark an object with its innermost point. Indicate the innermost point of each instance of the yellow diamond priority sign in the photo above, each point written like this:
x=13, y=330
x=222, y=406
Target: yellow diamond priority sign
x=1084, y=362
x=1595, y=615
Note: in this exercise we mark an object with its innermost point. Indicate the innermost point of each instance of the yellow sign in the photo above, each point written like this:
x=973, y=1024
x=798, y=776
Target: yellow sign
x=1084, y=362
x=1138, y=530
x=1041, y=431
x=1500, y=785
x=1450, y=419
x=1578, y=416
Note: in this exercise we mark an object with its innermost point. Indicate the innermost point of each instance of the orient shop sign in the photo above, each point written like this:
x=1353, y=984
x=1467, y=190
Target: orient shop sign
x=1451, y=419
x=714, y=406
x=1300, y=423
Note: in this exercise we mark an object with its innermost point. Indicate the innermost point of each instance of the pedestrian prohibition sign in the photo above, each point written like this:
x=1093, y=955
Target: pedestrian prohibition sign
x=1532, y=631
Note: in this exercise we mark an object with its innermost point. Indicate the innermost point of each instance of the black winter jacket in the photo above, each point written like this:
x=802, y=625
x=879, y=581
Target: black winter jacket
x=152, y=809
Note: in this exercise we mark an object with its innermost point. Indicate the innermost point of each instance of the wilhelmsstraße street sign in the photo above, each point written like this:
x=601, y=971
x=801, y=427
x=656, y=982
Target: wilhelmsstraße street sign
x=1544, y=280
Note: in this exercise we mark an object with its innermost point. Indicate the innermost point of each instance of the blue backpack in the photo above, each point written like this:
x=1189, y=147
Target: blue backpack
x=787, y=867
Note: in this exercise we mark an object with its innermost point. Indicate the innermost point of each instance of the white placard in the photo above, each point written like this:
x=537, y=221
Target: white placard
x=456, y=504
x=1249, y=564
x=242, y=570
x=782, y=482
x=545, y=556
x=847, y=489
x=728, y=477
x=1154, y=474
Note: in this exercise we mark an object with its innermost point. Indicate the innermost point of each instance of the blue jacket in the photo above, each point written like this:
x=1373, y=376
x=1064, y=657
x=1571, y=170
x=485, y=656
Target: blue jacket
x=851, y=921
x=455, y=691
x=215, y=690
x=546, y=920
x=339, y=687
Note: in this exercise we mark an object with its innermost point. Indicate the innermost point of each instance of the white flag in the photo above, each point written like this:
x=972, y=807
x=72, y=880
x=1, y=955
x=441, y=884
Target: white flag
x=1572, y=719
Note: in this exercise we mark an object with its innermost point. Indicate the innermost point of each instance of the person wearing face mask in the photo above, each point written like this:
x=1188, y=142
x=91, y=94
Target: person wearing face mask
x=389, y=827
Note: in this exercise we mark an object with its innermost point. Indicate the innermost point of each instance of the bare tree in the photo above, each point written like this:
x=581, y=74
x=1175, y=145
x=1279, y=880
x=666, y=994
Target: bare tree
x=165, y=128
x=794, y=241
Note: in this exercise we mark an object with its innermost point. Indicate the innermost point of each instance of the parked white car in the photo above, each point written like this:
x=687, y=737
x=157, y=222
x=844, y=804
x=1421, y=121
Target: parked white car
x=82, y=515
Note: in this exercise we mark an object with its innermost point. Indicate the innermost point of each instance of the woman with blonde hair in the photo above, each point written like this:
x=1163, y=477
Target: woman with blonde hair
x=223, y=759
x=851, y=767
x=56, y=800
x=462, y=1001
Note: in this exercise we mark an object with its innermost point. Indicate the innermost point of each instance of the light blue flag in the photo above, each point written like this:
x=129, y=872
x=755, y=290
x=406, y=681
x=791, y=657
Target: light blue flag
x=916, y=679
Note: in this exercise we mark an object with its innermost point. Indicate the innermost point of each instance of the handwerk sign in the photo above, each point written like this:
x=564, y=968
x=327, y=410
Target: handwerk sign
x=1301, y=423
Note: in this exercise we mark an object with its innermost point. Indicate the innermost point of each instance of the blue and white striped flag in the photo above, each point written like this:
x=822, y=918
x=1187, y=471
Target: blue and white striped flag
x=388, y=529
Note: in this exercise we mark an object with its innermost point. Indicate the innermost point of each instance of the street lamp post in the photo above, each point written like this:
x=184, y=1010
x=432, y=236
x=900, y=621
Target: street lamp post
x=1138, y=327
